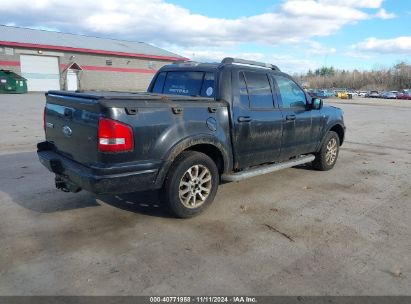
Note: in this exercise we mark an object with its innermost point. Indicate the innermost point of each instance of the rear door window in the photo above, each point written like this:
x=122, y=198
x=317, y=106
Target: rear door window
x=185, y=83
x=244, y=99
x=259, y=90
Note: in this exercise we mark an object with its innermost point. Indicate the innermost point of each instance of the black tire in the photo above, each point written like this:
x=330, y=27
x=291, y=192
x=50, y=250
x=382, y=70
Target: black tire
x=321, y=163
x=179, y=169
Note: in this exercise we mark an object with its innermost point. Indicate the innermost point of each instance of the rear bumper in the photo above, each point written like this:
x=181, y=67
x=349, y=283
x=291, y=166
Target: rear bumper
x=99, y=180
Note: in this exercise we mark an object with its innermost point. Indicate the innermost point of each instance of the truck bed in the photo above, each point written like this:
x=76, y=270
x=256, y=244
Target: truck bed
x=159, y=122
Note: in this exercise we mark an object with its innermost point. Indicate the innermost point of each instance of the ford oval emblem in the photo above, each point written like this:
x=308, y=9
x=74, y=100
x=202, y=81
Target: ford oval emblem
x=67, y=131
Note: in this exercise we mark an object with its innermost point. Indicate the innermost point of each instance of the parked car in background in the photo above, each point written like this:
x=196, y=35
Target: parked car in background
x=388, y=95
x=373, y=94
x=362, y=93
x=343, y=95
x=405, y=94
x=323, y=93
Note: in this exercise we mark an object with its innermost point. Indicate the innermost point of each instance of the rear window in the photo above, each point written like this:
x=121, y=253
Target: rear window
x=185, y=83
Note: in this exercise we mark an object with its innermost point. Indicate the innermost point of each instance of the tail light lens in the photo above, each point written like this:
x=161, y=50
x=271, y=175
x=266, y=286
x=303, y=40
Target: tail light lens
x=114, y=136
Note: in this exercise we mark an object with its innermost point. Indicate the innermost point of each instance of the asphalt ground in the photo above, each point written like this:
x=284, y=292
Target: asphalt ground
x=293, y=232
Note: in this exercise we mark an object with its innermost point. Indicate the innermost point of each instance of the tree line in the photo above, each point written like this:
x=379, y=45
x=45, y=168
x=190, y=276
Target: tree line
x=398, y=77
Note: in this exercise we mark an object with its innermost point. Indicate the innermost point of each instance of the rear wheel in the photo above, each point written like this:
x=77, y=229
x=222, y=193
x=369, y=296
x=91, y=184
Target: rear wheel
x=191, y=184
x=326, y=158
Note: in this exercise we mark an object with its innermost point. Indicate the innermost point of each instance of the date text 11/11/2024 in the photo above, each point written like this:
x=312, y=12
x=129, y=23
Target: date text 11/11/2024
x=203, y=299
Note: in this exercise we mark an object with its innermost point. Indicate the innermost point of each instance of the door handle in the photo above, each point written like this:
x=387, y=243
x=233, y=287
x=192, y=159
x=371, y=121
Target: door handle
x=244, y=119
x=177, y=110
x=212, y=109
x=290, y=117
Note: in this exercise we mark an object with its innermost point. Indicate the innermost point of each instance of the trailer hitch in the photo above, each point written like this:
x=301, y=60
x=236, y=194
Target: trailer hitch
x=65, y=185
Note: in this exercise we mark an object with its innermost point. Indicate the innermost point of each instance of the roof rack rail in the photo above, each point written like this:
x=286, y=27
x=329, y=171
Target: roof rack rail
x=186, y=63
x=230, y=60
x=180, y=61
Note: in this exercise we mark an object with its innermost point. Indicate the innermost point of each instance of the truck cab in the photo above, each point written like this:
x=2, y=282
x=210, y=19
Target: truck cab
x=272, y=118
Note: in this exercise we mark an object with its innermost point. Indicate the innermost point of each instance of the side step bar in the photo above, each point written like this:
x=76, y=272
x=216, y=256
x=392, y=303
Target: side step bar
x=264, y=169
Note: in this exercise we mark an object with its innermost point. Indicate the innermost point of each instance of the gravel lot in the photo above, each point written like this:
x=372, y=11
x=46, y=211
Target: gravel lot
x=349, y=228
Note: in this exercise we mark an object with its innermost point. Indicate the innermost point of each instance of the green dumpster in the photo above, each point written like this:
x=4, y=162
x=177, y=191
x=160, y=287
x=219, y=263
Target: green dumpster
x=11, y=82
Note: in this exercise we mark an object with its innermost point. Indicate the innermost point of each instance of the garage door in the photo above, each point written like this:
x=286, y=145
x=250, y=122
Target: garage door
x=42, y=72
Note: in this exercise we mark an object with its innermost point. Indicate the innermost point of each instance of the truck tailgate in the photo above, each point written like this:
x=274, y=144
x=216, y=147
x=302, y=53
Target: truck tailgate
x=71, y=126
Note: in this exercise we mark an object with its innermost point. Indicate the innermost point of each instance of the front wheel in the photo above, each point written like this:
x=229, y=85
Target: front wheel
x=326, y=158
x=191, y=184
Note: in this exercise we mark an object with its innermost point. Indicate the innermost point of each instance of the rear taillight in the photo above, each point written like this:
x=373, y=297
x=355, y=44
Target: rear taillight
x=114, y=136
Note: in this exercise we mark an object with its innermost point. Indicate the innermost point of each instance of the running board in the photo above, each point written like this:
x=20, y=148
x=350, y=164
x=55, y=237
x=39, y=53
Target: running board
x=264, y=169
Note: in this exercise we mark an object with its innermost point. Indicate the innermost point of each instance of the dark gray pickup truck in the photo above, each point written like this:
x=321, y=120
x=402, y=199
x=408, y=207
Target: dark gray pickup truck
x=197, y=125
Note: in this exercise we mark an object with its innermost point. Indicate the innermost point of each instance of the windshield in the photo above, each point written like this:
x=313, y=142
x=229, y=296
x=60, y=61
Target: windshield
x=185, y=83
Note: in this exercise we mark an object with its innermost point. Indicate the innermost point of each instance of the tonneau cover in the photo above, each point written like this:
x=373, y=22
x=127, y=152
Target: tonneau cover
x=125, y=95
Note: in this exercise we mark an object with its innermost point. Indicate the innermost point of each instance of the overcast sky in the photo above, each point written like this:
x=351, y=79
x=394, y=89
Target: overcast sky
x=294, y=34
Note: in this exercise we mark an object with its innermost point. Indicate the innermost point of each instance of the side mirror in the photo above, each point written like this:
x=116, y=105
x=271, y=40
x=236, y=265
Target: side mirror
x=317, y=103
